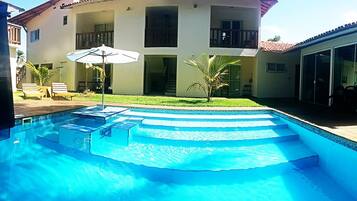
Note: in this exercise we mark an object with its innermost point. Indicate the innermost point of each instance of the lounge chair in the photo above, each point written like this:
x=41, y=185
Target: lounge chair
x=31, y=90
x=60, y=90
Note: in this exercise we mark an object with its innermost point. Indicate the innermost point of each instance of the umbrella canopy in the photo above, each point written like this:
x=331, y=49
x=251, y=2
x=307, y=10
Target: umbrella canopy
x=97, y=54
x=103, y=55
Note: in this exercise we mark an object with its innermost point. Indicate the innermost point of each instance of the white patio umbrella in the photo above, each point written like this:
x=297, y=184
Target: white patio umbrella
x=103, y=55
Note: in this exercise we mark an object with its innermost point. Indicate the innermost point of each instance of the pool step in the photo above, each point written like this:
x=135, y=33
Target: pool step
x=198, y=117
x=179, y=175
x=211, y=126
x=292, y=154
x=211, y=138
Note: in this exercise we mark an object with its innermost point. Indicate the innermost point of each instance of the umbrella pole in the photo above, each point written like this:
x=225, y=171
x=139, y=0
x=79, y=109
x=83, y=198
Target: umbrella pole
x=103, y=68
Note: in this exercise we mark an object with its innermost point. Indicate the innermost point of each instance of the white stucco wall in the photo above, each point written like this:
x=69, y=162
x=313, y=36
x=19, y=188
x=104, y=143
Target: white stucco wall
x=55, y=42
x=275, y=85
x=193, y=39
x=13, y=65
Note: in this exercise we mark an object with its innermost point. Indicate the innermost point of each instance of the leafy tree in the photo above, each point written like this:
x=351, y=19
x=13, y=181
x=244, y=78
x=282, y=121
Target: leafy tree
x=41, y=74
x=276, y=38
x=212, y=68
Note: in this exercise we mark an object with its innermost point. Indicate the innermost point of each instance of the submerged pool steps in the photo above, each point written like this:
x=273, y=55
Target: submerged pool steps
x=169, y=149
x=216, y=126
x=212, y=138
x=198, y=117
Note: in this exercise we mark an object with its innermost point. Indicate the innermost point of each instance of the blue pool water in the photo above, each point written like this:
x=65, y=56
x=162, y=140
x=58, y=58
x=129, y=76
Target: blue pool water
x=143, y=154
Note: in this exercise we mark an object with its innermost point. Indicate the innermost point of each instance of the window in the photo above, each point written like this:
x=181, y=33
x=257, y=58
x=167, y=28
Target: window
x=103, y=27
x=161, y=26
x=35, y=35
x=276, y=68
x=65, y=20
x=48, y=66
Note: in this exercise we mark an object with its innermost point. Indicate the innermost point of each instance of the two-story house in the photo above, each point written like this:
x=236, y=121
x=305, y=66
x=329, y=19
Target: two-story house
x=165, y=33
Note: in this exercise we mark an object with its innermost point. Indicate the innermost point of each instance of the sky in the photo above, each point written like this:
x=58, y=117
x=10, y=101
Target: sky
x=293, y=20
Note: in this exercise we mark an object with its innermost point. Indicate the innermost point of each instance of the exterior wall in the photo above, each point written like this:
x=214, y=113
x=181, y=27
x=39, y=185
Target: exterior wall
x=247, y=71
x=13, y=65
x=275, y=85
x=327, y=45
x=57, y=40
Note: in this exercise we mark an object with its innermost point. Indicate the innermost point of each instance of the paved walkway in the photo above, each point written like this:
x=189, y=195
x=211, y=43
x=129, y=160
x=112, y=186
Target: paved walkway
x=344, y=125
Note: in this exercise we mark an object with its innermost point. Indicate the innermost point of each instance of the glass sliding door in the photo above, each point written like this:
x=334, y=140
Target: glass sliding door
x=345, y=66
x=234, y=81
x=316, y=78
x=308, y=89
x=232, y=77
x=322, y=77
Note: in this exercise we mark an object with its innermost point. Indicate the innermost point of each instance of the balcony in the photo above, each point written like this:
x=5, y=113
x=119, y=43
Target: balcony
x=161, y=26
x=233, y=38
x=14, y=33
x=94, y=39
x=161, y=37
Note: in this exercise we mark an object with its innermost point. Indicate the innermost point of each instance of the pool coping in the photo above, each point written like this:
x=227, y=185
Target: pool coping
x=340, y=139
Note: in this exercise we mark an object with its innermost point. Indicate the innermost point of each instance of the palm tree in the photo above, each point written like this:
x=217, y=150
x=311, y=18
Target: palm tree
x=41, y=74
x=212, y=68
x=20, y=58
x=276, y=38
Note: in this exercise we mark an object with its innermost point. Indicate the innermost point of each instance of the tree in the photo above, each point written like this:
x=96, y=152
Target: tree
x=275, y=39
x=212, y=68
x=41, y=74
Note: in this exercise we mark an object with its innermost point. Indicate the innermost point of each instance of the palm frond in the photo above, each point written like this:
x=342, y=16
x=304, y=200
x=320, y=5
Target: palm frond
x=34, y=71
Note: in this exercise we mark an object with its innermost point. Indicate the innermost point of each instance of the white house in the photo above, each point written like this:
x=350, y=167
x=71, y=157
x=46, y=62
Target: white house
x=164, y=32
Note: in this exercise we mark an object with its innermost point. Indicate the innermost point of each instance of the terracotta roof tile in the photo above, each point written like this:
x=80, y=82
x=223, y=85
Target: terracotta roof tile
x=267, y=46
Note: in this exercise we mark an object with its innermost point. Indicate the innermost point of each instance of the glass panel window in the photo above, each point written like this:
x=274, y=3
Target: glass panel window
x=275, y=68
x=65, y=20
x=316, y=78
x=345, y=66
x=49, y=66
x=308, y=79
x=103, y=27
x=35, y=35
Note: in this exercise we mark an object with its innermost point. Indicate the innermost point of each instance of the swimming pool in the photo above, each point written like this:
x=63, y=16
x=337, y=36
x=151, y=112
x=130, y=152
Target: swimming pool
x=150, y=154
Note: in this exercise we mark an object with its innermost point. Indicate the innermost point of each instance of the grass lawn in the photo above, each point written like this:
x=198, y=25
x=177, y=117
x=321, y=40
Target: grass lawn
x=162, y=100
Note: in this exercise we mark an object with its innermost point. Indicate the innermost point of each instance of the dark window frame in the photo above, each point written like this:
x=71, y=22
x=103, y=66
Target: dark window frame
x=35, y=35
x=65, y=20
x=274, y=68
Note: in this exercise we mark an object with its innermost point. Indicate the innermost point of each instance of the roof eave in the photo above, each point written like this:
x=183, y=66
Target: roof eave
x=26, y=16
x=324, y=39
